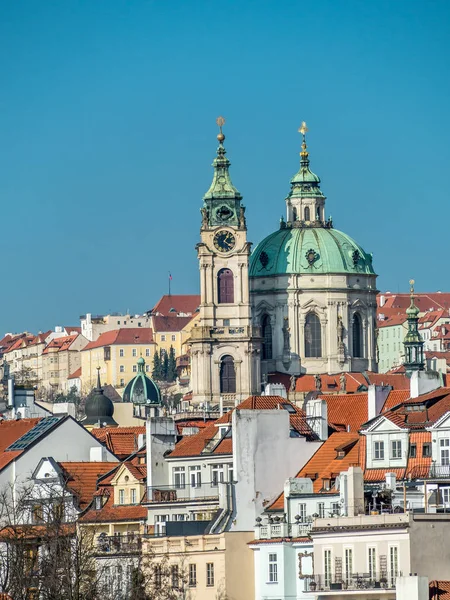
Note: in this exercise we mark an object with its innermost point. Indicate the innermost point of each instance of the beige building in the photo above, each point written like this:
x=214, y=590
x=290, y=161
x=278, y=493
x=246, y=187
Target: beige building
x=210, y=566
x=116, y=353
x=23, y=357
x=173, y=331
x=60, y=359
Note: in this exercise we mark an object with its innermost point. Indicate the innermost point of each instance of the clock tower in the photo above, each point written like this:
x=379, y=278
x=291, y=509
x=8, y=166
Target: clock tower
x=224, y=346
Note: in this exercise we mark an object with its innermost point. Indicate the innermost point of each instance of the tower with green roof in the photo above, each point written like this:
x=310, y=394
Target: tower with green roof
x=413, y=341
x=143, y=393
x=313, y=288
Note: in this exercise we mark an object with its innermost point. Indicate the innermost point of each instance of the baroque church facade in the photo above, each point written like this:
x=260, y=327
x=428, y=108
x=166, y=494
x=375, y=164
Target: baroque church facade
x=304, y=301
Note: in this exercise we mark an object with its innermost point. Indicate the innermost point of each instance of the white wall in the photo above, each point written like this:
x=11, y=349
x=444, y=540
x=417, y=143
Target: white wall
x=264, y=456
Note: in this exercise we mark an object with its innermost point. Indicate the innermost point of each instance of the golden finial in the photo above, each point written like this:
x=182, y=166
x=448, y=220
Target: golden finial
x=220, y=122
x=303, y=129
x=411, y=283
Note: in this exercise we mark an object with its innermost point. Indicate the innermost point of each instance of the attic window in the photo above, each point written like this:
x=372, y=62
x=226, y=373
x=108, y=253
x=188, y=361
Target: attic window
x=289, y=408
x=340, y=454
x=98, y=502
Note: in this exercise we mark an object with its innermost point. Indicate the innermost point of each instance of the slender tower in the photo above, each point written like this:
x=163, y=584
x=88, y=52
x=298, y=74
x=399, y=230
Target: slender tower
x=413, y=341
x=225, y=348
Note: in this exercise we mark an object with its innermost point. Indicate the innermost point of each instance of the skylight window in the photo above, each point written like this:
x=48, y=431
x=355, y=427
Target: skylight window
x=35, y=433
x=289, y=408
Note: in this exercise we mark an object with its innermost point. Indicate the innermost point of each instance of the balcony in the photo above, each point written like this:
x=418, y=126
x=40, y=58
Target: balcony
x=119, y=544
x=383, y=582
x=435, y=471
x=225, y=331
x=186, y=493
x=282, y=530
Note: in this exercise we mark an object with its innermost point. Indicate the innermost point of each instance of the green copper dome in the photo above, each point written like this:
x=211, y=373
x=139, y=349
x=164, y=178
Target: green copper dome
x=309, y=250
x=141, y=389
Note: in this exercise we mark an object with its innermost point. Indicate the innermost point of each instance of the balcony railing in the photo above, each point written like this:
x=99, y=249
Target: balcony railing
x=282, y=530
x=119, y=544
x=213, y=332
x=355, y=581
x=435, y=471
x=183, y=493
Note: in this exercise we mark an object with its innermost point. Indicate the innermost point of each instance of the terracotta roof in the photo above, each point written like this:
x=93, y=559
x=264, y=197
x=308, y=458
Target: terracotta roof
x=346, y=410
x=395, y=397
x=391, y=321
x=76, y=374
x=425, y=302
x=72, y=329
x=173, y=304
x=131, y=335
x=330, y=383
x=121, y=441
x=439, y=590
x=375, y=475
x=82, y=478
x=428, y=409
x=324, y=462
x=398, y=381
x=10, y=431
x=193, y=445
x=172, y=323
x=111, y=512
x=60, y=344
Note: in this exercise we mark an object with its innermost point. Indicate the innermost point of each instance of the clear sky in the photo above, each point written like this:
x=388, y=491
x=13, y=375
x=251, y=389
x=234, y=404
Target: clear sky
x=107, y=134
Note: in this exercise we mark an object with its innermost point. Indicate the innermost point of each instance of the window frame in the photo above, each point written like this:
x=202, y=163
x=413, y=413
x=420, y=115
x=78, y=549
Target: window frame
x=272, y=565
x=378, y=449
x=209, y=574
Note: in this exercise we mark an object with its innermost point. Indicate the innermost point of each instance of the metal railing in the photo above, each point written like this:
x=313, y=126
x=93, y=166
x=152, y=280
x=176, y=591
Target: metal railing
x=355, y=581
x=119, y=544
x=183, y=492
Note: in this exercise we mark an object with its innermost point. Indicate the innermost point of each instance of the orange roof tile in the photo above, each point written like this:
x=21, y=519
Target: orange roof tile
x=60, y=344
x=131, y=335
x=81, y=478
x=76, y=374
x=172, y=304
x=121, y=441
x=395, y=397
x=330, y=383
x=439, y=590
x=375, y=475
x=346, y=410
x=398, y=381
x=111, y=512
x=172, y=323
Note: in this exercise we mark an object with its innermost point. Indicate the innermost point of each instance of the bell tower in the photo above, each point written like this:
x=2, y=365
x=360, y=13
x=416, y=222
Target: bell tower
x=224, y=346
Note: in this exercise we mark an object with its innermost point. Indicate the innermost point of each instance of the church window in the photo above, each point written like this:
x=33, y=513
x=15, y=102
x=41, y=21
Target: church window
x=225, y=286
x=267, y=337
x=227, y=376
x=294, y=214
x=357, y=336
x=313, y=336
x=318, y=213
x=307, y=214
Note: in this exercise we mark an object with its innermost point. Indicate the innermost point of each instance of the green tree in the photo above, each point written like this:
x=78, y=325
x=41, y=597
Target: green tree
x=164, y=365
x=156, y=372
x=172, y=366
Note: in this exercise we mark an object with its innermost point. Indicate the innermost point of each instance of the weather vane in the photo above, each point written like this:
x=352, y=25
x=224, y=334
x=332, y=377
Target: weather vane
x=220, y=122
x=411, y=283
x=303, y=129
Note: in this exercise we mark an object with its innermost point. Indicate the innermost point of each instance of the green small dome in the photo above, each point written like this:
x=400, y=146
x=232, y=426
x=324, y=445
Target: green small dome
x=141, y=389
x=309, y=250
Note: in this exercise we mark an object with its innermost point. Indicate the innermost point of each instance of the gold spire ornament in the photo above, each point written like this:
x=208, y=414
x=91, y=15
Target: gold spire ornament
x=303, y=129
x=411, y=289
x=220, y=122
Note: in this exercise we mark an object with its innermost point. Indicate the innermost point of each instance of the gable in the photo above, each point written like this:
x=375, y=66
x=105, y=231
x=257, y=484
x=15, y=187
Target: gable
x=383, y=424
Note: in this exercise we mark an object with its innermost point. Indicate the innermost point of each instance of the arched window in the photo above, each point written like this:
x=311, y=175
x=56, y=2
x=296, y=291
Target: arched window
x=227, y=376
x=307, y=215
x=357, y=336
x=318, y=214
x=266, y=330
x=313, y=336
x=225, y=285
x=294, y=214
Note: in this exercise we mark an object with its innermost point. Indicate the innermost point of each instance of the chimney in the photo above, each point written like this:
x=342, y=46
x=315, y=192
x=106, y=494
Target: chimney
x=382, y=300
x=412, y=588
x=317, y=417
x=351, y=491
x=376, y=397
x=423, y=382
x=391, y=481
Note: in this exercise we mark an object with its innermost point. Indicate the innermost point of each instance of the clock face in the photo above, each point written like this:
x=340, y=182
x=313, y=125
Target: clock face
x=224, y=241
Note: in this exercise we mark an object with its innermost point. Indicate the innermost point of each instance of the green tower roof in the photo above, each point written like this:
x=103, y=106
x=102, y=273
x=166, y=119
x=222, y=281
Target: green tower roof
x=141, y=389
x=318, y=250
x=221, y=186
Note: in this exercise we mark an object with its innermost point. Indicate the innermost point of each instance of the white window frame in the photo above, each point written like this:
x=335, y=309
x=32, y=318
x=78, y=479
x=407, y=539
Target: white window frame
x=133, y=496
x=302, y=511
x=348, y=564
x=179, y=478
x=217, y=474
x=393, y=564
x=174, y=337
x=378, y=450
x=321, y=510
x=444, y=451
x=147, y=352
x=396, y=449
x=273, y=567
x=327, y=566
x=122, y=369
x=134, y=352
x=195, y=476
x=372, y=561
x=122, y=496
x=121, y=352
x=209, y=574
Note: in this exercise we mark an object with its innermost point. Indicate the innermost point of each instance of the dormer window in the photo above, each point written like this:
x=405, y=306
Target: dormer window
x=378, y=450
x=98, y=503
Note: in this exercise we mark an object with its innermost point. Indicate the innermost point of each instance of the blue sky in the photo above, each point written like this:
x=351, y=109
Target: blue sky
x=107, y=134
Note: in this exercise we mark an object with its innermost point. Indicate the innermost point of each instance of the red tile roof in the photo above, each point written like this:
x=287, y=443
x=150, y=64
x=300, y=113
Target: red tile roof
x=81, y=478
x=10, y=431
x=76, y=374
x=173, y=304
x=193, y=445
x=60, y=344
x=391, y=321
x=398, y=381
x=429, y=408
x=170, y=324
x=72, y=329
x=131, y=335
x=439, y=590
x=395, y=397
x=111, y=512
x=330, y=383
x=121, y=441
x=346, y=411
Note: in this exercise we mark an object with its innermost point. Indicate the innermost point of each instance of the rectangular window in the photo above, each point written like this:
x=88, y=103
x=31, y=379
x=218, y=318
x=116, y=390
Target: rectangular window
x=179, y=476
x=163, y=338
x=121, y=352
x=192, y=575
x=378, y=450
x=174, y=337
x=348, y=564
x=321, y=509
x=147, y=368
x=445, y=495
x=134, y=352
x=273, y=568
x=134, y=368
x=147, y=352
x=133, y=496
x=38, y=514
x=160, y=524
x=122, y=369
x=209, y=574
x=302, y=512
x=107, y=353
x=426, y=450
x=413, y=451
x=196, y=476
x=230, y=473
x=396, y=449
x=372, y=556
x=122, y=382
x=158, y=576
x=226, y=322
x=327, y=567
x=216, y=475
x=393, y=564
x=444, y=445
x=335, y=508
x=121, y=496
x=174, y=576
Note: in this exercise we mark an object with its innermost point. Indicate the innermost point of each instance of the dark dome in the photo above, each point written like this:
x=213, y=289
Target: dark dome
x=99, y=408
x=141, y=389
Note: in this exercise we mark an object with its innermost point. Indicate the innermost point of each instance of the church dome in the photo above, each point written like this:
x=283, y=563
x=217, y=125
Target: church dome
x=99, y=408
x=141, y=389
x=308, y=251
